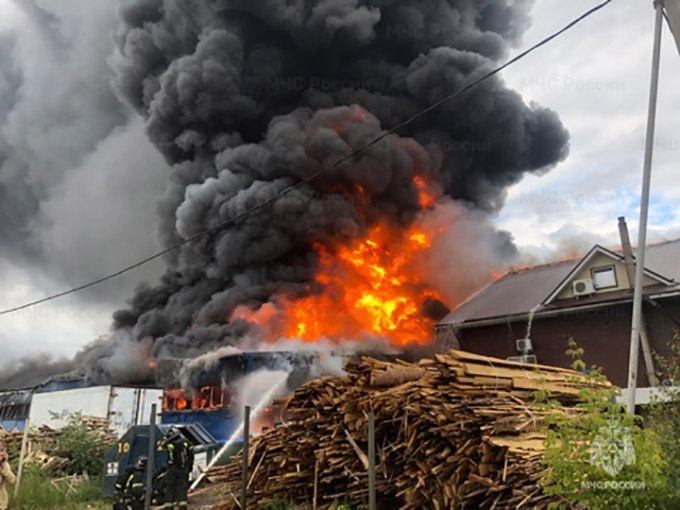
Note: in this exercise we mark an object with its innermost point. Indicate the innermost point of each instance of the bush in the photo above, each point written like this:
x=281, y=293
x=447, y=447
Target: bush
x=602, y=457
x=84, y=448
x=664, y=415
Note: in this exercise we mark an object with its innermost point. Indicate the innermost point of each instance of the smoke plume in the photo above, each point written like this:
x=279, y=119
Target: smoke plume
x=245, y=99
x=28, y=371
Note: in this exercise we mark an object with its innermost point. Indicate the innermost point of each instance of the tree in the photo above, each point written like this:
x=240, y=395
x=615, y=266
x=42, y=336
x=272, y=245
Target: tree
x=82, y=446
x=601, y=457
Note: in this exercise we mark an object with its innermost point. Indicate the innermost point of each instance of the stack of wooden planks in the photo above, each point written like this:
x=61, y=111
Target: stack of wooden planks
x=42, y=442
x=42, y=439
x=456, y=431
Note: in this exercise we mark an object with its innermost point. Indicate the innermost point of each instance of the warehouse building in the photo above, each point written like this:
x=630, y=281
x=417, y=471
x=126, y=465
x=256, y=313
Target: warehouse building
x=51, y=405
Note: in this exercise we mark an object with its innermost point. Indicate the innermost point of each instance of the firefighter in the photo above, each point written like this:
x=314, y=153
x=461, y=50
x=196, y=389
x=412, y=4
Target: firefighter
x=180, y=465
x=6, y=476
x=159, y=487
x=130, y=487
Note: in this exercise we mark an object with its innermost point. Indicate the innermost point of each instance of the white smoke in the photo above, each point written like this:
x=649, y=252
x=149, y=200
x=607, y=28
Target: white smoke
x=205, y=363
x=253, y=386
x=465, y=253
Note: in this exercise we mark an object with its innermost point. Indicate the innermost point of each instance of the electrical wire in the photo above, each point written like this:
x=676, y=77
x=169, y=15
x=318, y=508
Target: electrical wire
x=316, y=174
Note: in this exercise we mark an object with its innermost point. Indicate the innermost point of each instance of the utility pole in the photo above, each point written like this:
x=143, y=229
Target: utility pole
x=151, y=458
x=22, y=456
x=246, y=451
x=644, y=212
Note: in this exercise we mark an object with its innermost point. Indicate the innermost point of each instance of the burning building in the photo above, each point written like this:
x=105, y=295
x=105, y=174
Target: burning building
x=214, y=394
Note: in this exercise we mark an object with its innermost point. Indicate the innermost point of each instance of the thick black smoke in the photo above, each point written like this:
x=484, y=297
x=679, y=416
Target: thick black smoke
x=245, y=98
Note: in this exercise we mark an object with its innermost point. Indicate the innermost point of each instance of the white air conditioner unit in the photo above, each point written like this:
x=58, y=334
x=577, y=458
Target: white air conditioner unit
x=524, y=345
x=584, y=287
x=526, y=358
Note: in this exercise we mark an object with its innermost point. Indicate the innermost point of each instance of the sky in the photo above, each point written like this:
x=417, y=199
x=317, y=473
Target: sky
x=596, y=77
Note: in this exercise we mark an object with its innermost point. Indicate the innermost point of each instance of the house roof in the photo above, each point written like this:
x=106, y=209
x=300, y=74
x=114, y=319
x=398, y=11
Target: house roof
x=596, y=250
x=664, y=259
x=520, y=291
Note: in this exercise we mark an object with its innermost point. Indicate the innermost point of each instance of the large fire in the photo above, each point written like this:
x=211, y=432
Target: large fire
x=372, y=286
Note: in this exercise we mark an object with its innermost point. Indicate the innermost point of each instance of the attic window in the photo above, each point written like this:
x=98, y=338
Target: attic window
x=604, y=277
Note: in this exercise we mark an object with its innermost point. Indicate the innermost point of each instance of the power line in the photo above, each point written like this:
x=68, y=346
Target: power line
x=316, y=174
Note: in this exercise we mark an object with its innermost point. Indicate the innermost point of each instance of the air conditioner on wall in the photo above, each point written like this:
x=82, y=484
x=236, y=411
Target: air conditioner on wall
x=524, y=345
x=526, y=358
x=584, y=287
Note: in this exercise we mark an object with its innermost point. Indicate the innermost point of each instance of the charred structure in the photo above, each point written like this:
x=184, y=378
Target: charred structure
x=227, y=370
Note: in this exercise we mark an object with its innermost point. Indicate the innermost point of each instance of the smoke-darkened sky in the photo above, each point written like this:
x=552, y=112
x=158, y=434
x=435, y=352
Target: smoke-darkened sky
x=80, y=180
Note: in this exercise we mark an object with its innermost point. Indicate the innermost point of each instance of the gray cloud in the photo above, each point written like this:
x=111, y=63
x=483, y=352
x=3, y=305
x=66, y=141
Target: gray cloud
x=78, y=183
x=597, y=78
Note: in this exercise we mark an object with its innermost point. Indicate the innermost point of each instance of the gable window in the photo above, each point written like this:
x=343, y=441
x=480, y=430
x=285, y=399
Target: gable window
x=604, y=277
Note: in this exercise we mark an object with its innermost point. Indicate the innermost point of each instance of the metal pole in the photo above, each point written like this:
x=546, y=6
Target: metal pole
x=246, y=447
x=644, y=212
x=20, y=471
x=371, y=461
x=630, y=272
x=152, y=458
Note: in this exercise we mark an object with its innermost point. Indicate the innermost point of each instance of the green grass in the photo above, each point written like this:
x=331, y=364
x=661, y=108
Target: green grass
x=38, y=492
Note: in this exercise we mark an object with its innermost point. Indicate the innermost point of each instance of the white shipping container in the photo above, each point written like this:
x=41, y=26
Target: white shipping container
x=125, y=407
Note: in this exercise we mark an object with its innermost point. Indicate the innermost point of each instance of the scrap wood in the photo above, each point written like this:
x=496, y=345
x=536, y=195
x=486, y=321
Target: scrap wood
x=362, y=456
x=395, y=376
x=457, y=431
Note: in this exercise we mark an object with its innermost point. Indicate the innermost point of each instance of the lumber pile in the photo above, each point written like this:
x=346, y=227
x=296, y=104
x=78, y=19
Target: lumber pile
x=457, y=431
x=42, y=443
x=45, y=462
x=97, y=423
x=42, y=439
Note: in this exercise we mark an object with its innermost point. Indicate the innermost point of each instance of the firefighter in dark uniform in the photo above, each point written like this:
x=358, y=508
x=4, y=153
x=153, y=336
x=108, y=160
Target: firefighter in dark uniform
x=130, y=487
x=159, y=487
x=180, y=465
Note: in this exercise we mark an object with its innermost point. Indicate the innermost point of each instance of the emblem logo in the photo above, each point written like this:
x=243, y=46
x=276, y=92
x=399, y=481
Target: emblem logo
x=612, y=449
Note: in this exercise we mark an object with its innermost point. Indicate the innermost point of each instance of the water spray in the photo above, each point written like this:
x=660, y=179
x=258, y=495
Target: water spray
x=282, y=377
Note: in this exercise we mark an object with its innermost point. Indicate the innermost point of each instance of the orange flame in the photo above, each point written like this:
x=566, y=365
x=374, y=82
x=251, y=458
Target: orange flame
x=268, y=419
x=371, y=287
x=208, y=397
x=426, y=196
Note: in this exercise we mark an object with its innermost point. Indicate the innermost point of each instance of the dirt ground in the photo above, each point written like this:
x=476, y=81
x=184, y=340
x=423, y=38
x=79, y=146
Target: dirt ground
x=206, y=498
